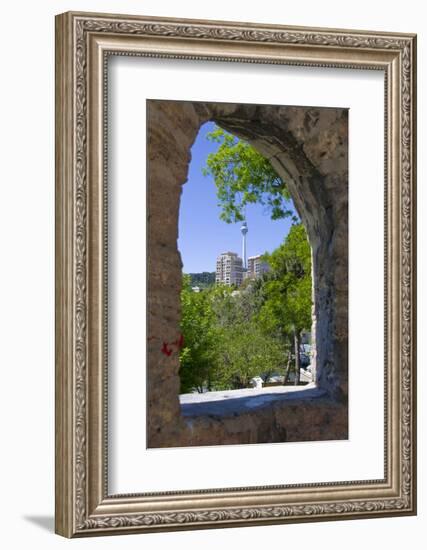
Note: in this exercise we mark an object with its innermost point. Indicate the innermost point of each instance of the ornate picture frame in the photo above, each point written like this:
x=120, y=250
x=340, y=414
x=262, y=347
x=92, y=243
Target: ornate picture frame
x=84, y=42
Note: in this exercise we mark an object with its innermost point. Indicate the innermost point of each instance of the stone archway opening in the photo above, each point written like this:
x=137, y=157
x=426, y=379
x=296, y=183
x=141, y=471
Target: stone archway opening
x=308, y=149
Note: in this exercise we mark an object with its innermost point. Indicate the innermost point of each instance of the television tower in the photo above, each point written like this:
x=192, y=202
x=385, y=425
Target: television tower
x=244, y=230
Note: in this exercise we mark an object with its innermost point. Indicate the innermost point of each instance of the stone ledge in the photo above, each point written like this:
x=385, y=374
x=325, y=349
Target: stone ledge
x=313, y=416
x=232, y=402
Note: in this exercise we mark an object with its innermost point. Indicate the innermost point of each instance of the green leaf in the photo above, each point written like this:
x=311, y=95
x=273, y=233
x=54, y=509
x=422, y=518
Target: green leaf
x=243, y=176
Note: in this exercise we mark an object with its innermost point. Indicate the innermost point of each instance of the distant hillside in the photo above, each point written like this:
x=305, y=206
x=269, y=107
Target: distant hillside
x=202, y=279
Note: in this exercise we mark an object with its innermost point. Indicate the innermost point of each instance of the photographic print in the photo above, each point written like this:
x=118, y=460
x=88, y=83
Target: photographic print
x=218, y=280
x=250, y=205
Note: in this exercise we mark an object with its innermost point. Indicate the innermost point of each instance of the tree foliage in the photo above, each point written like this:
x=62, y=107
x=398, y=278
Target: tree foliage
x=288, y=290
x=224, y=346
x=246, y=352
x=243, y=176
x=197, y=357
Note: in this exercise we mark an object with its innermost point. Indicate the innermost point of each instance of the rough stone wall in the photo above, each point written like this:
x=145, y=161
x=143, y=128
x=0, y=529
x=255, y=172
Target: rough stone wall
x=308, y=147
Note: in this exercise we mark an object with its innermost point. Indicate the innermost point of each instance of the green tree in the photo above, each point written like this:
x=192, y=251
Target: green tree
x=198, y=327
x=244, y=349
x=243, y=176
x=224, y=346
x=244, y=352
x=288, y=290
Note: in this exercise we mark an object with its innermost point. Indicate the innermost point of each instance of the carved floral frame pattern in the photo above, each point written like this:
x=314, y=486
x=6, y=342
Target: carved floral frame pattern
x=81, y=511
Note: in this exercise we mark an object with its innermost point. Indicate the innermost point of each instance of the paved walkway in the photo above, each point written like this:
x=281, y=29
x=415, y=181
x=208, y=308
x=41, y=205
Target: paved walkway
x=238, y=401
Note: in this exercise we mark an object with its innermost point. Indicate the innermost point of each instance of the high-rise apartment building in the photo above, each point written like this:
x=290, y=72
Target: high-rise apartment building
x=256, y=267
x=229, y=269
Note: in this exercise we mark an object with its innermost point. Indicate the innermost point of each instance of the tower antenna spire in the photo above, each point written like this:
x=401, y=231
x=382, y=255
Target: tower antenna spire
x=244, y=230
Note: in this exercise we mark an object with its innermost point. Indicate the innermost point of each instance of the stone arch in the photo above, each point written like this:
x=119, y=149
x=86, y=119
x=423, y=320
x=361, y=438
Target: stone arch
x=308, y=149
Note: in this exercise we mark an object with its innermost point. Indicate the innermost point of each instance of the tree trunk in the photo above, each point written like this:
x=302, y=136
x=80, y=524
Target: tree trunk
x=297, y=342
x=288, y=369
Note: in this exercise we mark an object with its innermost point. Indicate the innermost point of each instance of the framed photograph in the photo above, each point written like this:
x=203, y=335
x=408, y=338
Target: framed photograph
x=235, y=274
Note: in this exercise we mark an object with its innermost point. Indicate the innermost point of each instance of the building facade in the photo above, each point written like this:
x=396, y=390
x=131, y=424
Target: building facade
x=229, y=269
x=256, y=267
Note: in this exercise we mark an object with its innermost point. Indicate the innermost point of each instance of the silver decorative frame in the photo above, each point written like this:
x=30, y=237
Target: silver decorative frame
x=83, y=506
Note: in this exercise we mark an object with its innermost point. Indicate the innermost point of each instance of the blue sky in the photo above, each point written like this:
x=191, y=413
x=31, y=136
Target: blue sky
x=202, y=235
